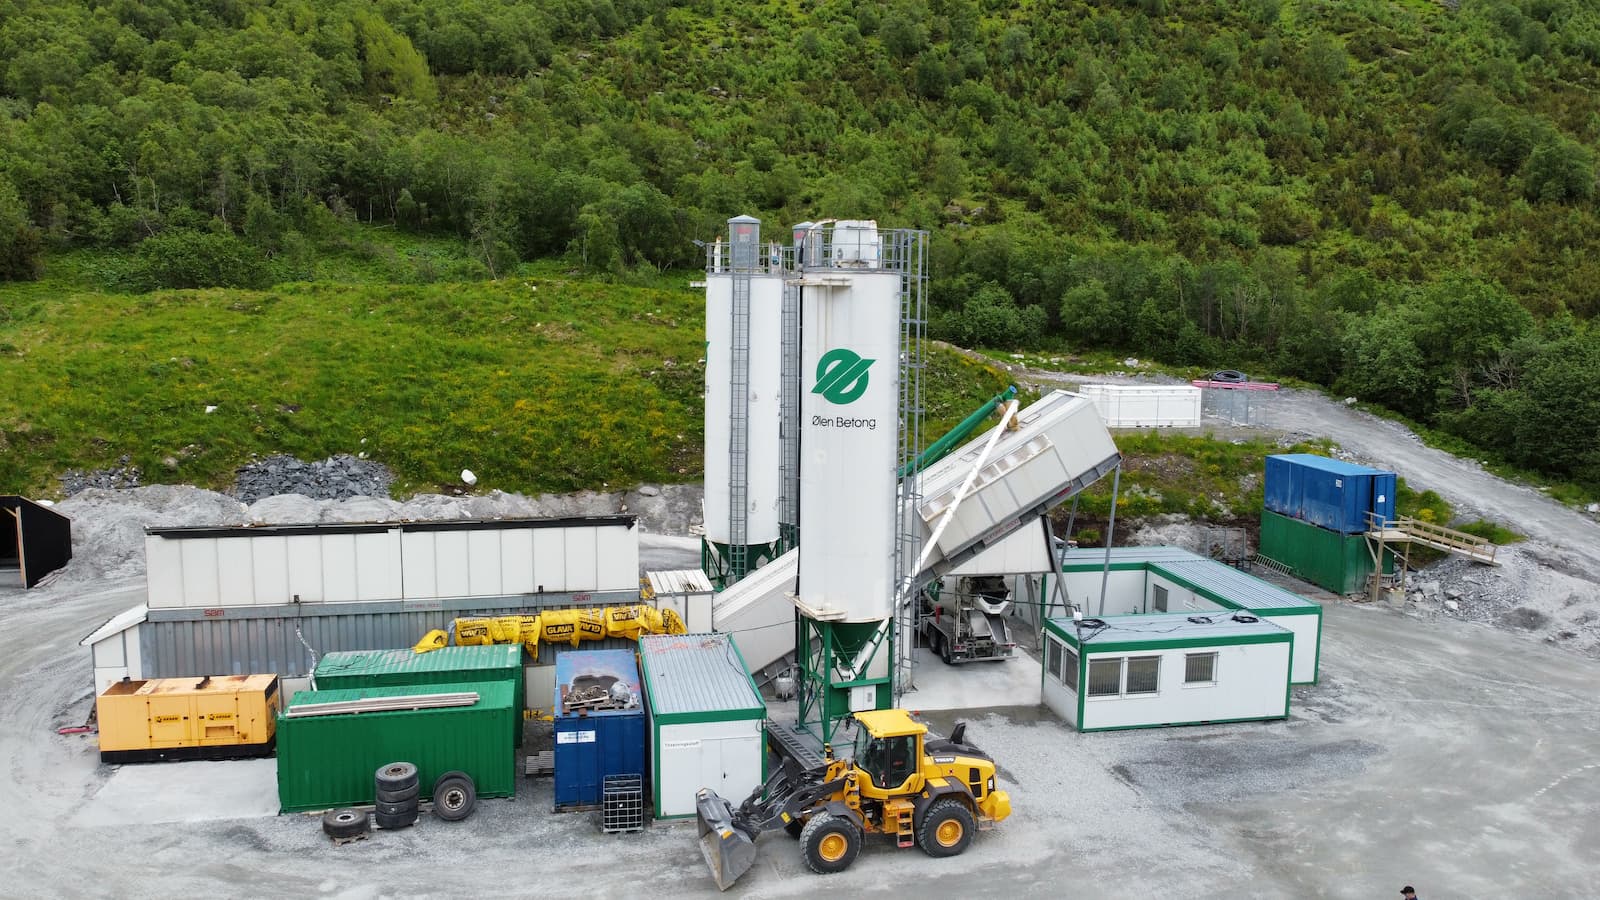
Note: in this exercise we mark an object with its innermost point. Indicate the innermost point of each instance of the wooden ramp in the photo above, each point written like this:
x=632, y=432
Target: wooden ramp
x=1406, y=530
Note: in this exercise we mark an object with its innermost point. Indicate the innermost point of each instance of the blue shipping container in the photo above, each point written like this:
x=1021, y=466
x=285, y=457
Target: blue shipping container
x=1328, y=493
x=591, y=744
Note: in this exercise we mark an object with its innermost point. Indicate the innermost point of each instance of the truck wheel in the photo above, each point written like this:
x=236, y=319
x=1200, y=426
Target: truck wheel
x=344, y=823
x=454, y=796
x=944, y=650
x=396, y=776
x=830, y=843
x=403, y=796
x=946, y=828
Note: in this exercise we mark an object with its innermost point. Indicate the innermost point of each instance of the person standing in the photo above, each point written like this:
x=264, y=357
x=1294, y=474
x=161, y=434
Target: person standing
x=1408, y=892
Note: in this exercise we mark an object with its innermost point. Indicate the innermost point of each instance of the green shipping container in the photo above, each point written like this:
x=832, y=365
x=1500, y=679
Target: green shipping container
x=1336, y=562
x=447, y=665
x=329, y=761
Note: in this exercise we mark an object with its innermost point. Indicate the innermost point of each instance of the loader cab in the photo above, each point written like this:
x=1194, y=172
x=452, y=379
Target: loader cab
x=888, y=748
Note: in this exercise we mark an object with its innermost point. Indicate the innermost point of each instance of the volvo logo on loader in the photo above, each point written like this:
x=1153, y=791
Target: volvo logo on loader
x=842, y=376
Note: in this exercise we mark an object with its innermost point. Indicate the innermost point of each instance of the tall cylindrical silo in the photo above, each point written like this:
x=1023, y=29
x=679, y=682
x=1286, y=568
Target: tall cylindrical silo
x=850, y=366
x=743, y=484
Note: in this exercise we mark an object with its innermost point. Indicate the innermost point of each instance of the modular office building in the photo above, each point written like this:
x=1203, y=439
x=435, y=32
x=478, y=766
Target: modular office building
x=1154, y=580
x=1173, y=669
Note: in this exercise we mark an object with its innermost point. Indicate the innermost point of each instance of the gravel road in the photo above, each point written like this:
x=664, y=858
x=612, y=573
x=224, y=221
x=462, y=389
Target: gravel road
x=1547, y=587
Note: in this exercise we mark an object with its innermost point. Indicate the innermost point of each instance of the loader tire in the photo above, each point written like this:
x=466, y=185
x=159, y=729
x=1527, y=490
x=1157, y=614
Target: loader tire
x=344, y=823
x=947, y=828
x=830, y=843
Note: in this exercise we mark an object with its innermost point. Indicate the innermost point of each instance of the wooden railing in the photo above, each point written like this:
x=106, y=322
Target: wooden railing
x=1439, y=537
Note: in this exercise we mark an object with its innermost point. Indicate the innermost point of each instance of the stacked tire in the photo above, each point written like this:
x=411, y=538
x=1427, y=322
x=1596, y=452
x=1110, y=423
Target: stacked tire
x=397, y=795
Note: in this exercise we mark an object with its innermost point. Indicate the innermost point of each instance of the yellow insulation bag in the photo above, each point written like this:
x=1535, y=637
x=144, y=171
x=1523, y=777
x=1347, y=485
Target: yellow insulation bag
x=498, y=630
x=632, y=621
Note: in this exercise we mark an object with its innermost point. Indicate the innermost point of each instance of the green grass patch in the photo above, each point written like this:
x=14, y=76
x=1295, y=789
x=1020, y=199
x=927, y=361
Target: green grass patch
x=1493, y=532
x=1202, y=476
x=535, y=383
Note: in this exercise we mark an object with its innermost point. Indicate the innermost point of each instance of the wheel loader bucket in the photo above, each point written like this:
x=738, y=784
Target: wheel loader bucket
x=728, y=851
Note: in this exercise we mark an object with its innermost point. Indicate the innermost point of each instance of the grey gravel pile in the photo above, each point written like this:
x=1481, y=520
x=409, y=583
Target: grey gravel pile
x=334, y=478
x=123, y=475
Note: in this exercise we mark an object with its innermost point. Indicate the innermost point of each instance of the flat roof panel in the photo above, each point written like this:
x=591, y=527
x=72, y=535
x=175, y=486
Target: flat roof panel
x=1220, y=627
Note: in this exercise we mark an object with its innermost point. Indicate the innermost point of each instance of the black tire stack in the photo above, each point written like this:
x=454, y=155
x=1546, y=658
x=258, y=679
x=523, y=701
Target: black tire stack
x=397, y=795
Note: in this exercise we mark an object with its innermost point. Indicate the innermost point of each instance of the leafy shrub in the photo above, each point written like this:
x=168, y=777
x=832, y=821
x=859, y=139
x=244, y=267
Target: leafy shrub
x=196, y=259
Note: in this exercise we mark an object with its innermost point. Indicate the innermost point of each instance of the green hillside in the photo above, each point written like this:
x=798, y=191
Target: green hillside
x=536, y=384
x=1395, y=198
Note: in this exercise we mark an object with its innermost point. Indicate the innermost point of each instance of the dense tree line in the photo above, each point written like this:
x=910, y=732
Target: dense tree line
x=1396, y=199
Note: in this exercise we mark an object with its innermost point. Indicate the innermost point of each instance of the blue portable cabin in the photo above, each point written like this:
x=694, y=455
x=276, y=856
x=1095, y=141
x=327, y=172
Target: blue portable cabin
x=1328, y=493
x=594, y=743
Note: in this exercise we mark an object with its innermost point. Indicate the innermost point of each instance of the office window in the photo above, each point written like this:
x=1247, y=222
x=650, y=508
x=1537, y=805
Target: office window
x=1144, y=674
x=1105, y=677
x=1052, y=657
x=1200, y=668
x=1158, y=599
x=1069, y=670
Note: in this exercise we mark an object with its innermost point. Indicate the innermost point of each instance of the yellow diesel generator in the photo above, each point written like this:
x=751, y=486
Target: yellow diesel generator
x=216, y=717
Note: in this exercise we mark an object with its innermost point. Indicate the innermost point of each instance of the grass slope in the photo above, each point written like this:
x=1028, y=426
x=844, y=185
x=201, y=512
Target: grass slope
x=535, y=383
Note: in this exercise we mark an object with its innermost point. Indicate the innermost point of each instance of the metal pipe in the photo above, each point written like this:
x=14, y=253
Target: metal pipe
x=1111, y=529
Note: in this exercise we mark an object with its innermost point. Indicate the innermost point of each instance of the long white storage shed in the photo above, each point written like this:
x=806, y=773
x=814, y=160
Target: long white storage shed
x=1120, y=672
x=1154, y=580
x=705, y=718
x=346, y=563
x=1145, y=405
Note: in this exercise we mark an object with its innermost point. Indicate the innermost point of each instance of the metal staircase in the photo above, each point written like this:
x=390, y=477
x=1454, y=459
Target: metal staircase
x=1407, y=530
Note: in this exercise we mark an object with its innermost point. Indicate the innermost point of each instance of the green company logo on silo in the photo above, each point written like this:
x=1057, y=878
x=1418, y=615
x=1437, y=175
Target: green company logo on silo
x=842, y=376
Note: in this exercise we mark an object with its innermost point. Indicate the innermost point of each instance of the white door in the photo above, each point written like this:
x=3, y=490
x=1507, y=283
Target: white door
x=711, y=769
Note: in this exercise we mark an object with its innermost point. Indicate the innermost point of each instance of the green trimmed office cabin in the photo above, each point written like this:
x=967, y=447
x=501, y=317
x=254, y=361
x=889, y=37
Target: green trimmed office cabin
x=705, y=719
x=1157, y=580
x=1152, y=671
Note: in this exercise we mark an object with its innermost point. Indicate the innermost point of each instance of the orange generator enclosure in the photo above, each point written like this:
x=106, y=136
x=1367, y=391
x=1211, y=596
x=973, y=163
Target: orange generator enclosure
x=216, y=717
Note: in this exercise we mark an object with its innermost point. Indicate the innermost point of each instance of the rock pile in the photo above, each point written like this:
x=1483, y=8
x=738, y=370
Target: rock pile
x=334, y=478
x=123, y=475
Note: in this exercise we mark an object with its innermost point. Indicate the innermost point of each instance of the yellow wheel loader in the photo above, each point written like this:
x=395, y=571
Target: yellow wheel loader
x=934, y=794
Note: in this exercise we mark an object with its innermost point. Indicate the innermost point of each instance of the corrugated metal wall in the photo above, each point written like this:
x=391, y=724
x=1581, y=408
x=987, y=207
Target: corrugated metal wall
x=265, y=641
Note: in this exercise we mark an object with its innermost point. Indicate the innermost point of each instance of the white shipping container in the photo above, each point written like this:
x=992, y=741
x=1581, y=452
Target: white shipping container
x=1145, y=405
